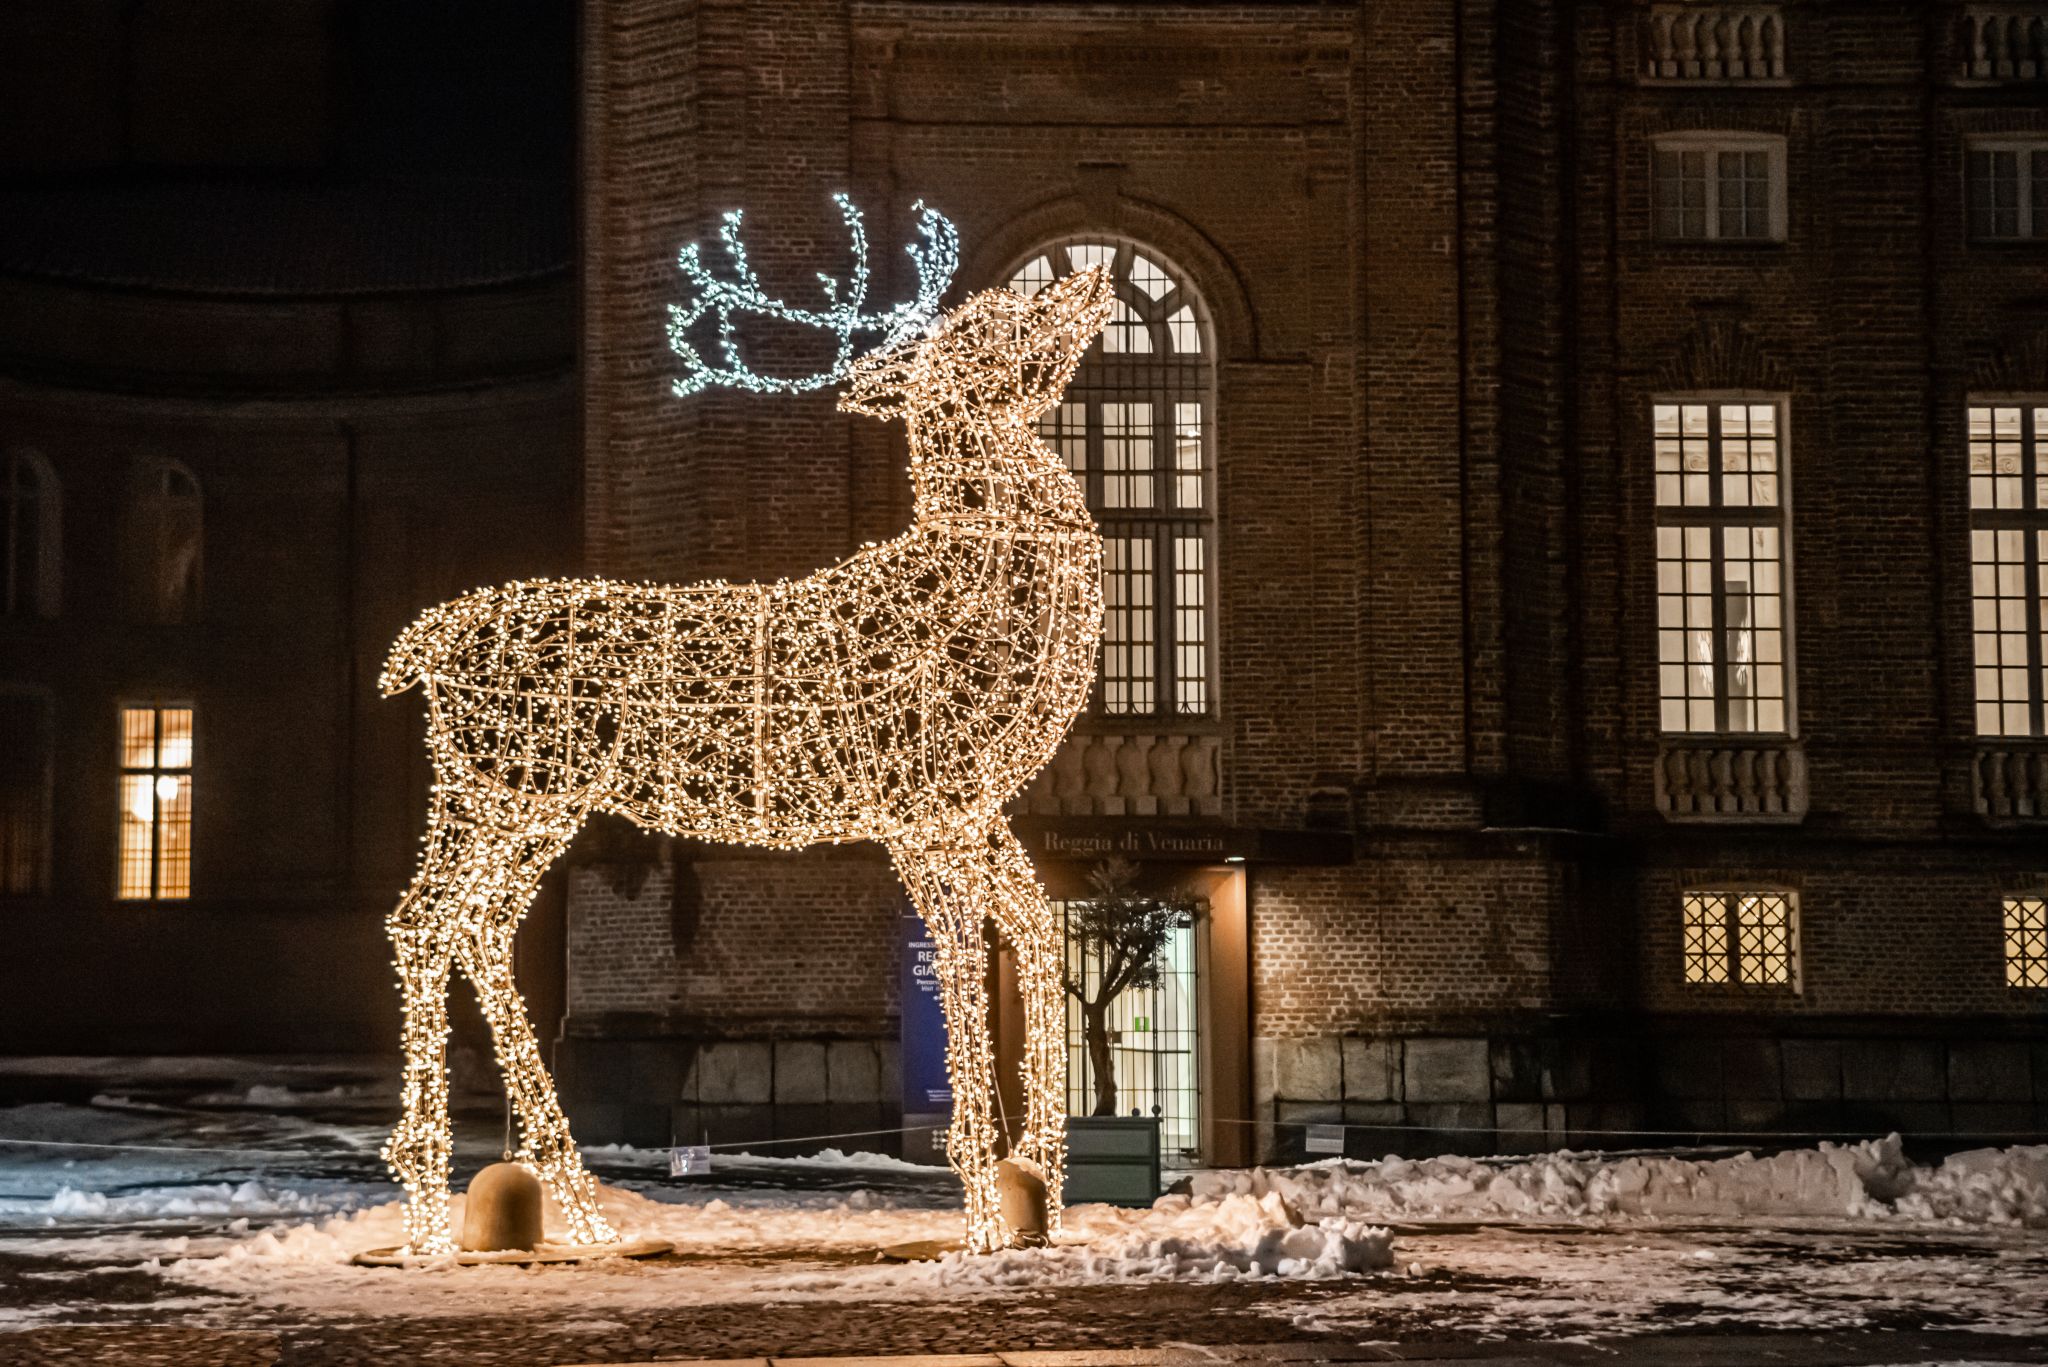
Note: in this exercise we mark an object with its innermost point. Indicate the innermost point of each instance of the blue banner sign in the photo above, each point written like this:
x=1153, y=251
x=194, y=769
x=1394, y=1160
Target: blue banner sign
x=926, y=1089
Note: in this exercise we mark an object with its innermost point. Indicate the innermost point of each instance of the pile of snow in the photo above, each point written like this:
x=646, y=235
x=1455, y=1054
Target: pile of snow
x=1870, y=1180
x=1181, y=1239
x=270, y=1096
x=182, y=1203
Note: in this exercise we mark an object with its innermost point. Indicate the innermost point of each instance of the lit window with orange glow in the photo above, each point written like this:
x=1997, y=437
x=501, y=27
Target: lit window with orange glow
x=2026, y=942
x=1746, y=938
x=156, y=803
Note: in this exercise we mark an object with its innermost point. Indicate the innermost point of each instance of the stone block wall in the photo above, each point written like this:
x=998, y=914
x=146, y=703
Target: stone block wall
x=1676, y=1082
x=778, y=1096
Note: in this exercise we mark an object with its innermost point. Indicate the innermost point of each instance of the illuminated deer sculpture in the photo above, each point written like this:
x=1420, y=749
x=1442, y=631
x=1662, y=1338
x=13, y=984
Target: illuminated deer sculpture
x=901, y=696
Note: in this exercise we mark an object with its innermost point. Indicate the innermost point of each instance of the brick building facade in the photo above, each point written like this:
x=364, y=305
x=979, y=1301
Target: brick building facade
x=1464, y=270
x=286, y=348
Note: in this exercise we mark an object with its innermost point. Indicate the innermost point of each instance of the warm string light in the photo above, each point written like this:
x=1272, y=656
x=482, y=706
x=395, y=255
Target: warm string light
x=901, y=696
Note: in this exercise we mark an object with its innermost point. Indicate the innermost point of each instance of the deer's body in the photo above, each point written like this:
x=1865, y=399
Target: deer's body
x=901, y=696
x=658, y=671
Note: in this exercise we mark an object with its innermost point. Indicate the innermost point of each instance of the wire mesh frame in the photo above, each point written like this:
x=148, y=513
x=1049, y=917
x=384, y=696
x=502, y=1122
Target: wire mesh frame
x=2009, y=565
x=1161, y=1074
x=1158, y=522
x=1682, y=507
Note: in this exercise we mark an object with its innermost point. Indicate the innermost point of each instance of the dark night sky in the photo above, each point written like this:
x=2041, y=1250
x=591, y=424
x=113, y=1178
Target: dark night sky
x=363, y=145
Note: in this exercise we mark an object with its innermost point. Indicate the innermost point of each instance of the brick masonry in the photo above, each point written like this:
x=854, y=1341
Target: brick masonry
x=1422, y=234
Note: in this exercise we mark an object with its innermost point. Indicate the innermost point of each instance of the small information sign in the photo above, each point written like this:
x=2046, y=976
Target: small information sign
x=1324, y=1139
x=689, y=1160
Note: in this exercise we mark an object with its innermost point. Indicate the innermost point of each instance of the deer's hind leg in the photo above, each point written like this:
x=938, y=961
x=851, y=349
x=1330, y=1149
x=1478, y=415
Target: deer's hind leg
x=422, y=931
x=545, y=1143
x=418, y=1149
x=479, y=873
x=952, y=892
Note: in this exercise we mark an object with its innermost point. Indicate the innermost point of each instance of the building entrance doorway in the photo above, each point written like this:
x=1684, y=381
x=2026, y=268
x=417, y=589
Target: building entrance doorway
x=1154, y=1040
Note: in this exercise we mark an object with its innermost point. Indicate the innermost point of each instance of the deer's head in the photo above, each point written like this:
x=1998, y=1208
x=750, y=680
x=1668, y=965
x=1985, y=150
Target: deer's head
x=1000, y=354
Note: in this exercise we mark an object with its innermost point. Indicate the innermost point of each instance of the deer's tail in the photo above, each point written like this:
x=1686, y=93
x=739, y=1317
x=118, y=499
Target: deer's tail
x=413, y=656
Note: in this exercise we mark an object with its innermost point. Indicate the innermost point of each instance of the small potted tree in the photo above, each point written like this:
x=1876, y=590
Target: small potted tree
x=1122, y=935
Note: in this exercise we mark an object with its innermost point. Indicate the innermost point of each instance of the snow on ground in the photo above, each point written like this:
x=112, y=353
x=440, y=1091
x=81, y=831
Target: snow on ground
x=1872, y=1180
x=247, y=1209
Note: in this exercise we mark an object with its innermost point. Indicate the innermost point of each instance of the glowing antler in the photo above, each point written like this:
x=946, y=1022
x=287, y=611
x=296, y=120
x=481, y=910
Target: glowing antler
x=937, y=256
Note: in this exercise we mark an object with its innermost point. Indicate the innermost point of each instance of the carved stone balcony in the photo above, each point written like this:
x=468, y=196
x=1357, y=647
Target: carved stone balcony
x=1131, y=773
x=1726, y=779
x=1998, y=43
x=1728, y=44
x=2010, y=782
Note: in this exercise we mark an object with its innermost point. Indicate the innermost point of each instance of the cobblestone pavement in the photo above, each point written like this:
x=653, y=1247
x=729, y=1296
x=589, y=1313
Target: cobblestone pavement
x=139, y=1327
x=1198, y=1325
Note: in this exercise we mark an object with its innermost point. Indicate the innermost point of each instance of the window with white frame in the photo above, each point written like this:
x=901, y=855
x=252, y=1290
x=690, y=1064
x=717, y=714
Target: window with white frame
x=2026, y=941
x=156, y=804
x=1137, y=425
x=1723, y=648
x=2008, y=189
x=1748, y=939
x=2008, y=547
x=1718, y=187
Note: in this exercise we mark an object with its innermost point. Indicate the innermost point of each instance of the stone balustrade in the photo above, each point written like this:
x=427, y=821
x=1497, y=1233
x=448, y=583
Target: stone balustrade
x=2011, y=782
x=2002, y=43
x=1131, y=773
x=1729, y=780
x=1727, y=43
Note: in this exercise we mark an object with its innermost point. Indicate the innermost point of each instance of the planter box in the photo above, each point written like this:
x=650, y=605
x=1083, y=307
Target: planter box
x=1112, y=1159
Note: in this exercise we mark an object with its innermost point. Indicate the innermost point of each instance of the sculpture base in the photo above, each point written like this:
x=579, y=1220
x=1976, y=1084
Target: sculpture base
x=919, y=1251
x=545, y=1253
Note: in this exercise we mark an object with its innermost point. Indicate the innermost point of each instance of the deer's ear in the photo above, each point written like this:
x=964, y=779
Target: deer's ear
x=1065, y=317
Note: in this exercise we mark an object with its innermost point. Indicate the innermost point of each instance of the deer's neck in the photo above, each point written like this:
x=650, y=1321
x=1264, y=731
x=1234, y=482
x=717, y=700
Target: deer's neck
x=983, y=470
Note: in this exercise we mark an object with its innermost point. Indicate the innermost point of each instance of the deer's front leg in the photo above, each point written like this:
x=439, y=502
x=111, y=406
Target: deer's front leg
x=951, y=893
x=1026, y=920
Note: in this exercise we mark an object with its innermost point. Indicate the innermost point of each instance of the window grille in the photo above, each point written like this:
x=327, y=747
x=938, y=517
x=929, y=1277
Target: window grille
x=2008, y=191
x=25, y=760
x=1729, y=188
x=156, y=803
x=1746, y=938
x=29, y=530
x=2026, y=942
x=1155, y=1042
x=1723, y=653
x=2008, y=547
x=1136, y=426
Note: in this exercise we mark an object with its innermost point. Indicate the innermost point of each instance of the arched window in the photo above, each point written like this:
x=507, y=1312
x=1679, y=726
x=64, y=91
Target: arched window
x=1137, y=424
x=161, y=542
x=29, y=529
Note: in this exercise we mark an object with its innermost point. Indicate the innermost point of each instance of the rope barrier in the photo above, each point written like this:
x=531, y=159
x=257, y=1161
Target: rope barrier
x=745, y=1145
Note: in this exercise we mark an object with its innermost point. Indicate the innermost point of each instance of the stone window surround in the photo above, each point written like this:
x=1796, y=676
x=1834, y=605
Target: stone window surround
x=2031, y=148
x=1732, y=949
x=1714, y=140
